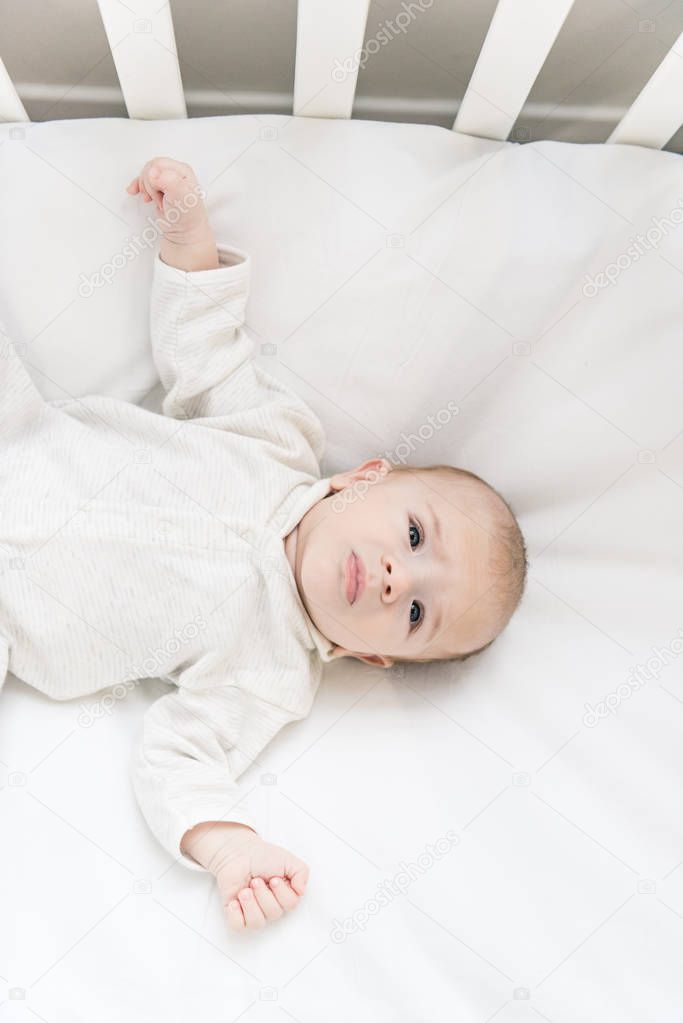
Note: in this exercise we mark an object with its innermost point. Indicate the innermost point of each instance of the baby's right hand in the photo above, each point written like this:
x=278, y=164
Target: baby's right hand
x=173, y=186
x=258, y=881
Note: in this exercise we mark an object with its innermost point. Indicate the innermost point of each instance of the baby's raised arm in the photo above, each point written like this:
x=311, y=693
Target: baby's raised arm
x=198, y=298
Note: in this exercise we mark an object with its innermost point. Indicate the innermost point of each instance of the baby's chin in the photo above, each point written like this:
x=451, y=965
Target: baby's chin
x=319, y=595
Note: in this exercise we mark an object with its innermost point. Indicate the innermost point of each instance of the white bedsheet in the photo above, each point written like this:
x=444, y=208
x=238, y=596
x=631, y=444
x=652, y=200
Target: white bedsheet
x=396, y=268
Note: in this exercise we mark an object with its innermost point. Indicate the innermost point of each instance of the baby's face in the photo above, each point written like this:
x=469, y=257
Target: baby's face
x=398, y=567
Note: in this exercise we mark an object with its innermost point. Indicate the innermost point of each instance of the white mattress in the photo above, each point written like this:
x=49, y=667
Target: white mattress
x=396, y=268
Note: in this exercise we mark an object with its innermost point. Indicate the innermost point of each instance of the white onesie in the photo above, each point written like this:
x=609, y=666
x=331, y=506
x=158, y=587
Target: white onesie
x=135, y=545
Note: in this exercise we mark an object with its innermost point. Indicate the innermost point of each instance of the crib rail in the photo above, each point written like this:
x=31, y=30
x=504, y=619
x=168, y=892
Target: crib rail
x=143, y=47
x=657, y=112
x=331, y=34
x=327, y=37
x=11, y=107
x=518, y=41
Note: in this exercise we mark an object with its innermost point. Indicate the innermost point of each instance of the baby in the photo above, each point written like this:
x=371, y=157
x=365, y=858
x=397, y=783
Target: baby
x=206, y=538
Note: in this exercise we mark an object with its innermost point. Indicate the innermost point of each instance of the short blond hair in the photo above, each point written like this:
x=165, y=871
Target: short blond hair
x=510, y=569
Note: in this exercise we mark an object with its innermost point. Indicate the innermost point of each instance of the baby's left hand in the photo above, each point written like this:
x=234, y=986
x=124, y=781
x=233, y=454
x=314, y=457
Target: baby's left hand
x=258, y=881
x=174, y=188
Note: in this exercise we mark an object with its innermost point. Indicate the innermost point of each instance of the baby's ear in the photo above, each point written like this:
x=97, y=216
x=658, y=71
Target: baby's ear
x=371, y=470
x=374, y=660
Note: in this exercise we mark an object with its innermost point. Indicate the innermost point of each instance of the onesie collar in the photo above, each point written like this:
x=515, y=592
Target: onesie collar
x=322, y=644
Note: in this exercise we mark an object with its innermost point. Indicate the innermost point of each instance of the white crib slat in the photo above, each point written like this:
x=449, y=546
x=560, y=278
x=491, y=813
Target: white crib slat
x=518, y=41
x=11, y=107
x=328, y=38
x=143, y=46
x=657, y=113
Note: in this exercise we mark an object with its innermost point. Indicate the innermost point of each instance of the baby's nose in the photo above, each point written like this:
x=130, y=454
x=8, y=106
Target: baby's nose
x=394, y=579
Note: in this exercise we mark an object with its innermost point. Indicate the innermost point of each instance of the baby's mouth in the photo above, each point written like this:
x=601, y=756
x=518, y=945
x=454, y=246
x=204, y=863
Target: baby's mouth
x=354, y=577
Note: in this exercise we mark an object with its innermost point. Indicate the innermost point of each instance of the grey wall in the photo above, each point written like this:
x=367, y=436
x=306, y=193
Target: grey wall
x=237, y=56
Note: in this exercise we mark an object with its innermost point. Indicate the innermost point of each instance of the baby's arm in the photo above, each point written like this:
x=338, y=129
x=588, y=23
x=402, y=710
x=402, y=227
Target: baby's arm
x=195, y=742
x=198, y=300
x=202, y=350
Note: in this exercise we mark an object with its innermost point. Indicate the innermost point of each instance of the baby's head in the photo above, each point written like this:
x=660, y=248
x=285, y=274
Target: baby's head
x=405, y=564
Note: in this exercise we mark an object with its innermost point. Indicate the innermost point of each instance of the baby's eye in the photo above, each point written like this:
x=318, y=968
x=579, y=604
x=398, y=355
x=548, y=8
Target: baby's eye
x=415, y=534
x=416, y=538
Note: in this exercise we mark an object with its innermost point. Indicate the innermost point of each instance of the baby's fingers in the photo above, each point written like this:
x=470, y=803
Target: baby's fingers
x=253, y=914
x=235, y=915
x=272, y=910
x=166, y=181
x=137, y=188
x=297, y=874
x=283, y=893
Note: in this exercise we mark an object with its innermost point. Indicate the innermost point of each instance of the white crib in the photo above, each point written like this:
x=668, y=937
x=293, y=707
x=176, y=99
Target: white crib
x=142, y=43
x=398, y=269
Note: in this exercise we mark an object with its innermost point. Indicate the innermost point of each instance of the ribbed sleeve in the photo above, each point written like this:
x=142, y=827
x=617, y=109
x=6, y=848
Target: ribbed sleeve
x=194, y=745
x=198, y=339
